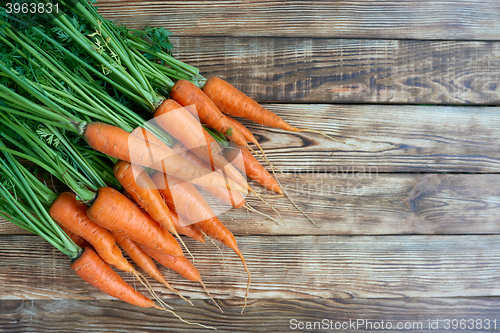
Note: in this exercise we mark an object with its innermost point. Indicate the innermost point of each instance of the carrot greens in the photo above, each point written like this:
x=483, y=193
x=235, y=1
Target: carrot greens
x=21, y=205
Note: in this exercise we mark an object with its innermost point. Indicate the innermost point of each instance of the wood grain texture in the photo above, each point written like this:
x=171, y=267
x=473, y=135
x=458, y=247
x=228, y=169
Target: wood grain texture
x=365, y=261
x=387, y=138
x=426, y=19
x=342, y=70
x=383, y=204
x=270, y=315
x=286, y=267
x=372, y=204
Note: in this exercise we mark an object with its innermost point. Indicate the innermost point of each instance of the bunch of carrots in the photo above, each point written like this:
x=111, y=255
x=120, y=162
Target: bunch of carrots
x=114, y=116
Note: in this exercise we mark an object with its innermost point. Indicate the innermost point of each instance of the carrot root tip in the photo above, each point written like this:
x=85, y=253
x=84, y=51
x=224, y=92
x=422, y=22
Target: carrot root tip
x=206, y=290
x=248, y=286
x=268, y=162
x=180, y=318
x=268, y=204
x=142, y=279
x=250, y=208
x=166, y=284
x=297, y=207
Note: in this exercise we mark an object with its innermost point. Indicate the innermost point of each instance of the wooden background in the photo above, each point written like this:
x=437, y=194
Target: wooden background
x=408, y=207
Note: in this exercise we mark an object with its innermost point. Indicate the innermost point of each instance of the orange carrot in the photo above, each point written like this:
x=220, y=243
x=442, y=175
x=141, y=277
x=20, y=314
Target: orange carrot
x=181, y=124
x=92, y=269
x=144, y=261
x=260, y=174
x=231, y=101
x=227, y=169
x=113, y=211
x=119, y=144
x=235, y=103
x=244, y=131
x=170, y=124
x=183, y=198
x=181, y=265
x=67, y=211
x=138, y=256
x=81, y=242
x=136, y=181
x=187, y=93
x=197, y=210
x=182, y=226
x=254, y=169
x=227, y=196
x=186, y=228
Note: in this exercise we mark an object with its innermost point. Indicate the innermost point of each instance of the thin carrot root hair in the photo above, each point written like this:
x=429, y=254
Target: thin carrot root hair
x=209, y=295
x=267, y=203
x=240, y=255
x=295, y=205
x=264, y=157
x=218, y=247
x=166, y=284
x=223, y=263
x=249, y=278
x=142, y=279
x=286, y=193
x=272, y=170
x=183, y=244
x=250, y=208
x=162, y=308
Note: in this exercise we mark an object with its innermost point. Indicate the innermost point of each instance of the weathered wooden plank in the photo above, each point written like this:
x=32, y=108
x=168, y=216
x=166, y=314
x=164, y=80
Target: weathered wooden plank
x=272, y=315
x=387, y=138
x=287, y=267
x=383, y=204
x=343, y=70
x=426, y=19
x=372, y=204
